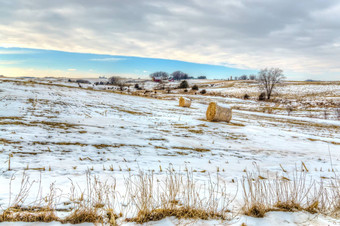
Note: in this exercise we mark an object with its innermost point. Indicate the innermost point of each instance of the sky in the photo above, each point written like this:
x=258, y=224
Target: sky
x=217, y=38
x=42, y=63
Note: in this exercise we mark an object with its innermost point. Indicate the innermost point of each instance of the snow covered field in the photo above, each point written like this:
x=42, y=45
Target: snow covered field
x=56, y=133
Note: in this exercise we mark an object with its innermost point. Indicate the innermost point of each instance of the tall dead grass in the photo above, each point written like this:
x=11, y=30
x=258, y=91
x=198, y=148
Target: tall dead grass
x=42, y=209
x=262, y=194
x=94, y=203
x=148, y=197
x=178, y=195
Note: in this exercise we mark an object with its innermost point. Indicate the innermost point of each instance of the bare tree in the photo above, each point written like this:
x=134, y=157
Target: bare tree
x=243, y=77
x=252, y=77
x=268, y=78
x=159, y=74
x=179, y=75
x=118, y=81
x=114, y=80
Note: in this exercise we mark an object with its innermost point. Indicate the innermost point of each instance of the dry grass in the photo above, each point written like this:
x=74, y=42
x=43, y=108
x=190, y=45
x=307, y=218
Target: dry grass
x=148, y=197
x=5, y=141
x=181, y=212
x=53, y=125
x=201, y=150
x=82, y=215
x=87, y=204
x=299, y=193
x=192, y=149
x=11, y=118
x=41, y=210
x=177, y=195
x=10, y=215
x=132, y=112
x=197, y=131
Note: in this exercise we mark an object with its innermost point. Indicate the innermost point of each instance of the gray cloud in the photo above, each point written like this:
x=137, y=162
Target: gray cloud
x=298, y=36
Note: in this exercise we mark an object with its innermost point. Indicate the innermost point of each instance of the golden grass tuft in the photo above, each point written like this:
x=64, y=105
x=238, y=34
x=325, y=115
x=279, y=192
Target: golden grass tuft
x=181, y=212
x=89, y=215
x=289, y=195
x=178, y=195
x=289, y=206
x=26, y=216
x=151, y=197
x=256, y=210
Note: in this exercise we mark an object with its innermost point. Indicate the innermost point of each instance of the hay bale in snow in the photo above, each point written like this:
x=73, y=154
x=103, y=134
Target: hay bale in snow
x=184, y=102
x=218, y=112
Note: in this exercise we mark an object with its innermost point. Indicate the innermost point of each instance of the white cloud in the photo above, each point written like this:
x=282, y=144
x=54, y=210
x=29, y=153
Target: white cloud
x=110, y=59
x=32, y=72
x=8, y=52
x=71, y=69
x=7, y=62
x=301, y=36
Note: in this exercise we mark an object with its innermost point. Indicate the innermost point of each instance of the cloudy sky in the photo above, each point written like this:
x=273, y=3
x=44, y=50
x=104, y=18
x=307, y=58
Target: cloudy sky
x=301, y=37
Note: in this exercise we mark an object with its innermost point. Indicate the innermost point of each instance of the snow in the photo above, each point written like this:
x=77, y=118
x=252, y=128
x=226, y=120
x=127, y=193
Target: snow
x=138, y=133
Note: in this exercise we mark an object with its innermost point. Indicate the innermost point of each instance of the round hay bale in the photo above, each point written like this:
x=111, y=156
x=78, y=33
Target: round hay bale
x=184, y=102
x=218, y=112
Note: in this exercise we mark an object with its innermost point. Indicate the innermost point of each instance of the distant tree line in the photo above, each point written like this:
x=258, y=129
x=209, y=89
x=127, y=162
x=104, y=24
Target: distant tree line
x=180, y=75
x=243, y=77
x=176, y=75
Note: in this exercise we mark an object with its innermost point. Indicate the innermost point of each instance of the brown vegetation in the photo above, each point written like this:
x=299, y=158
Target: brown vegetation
x=300, y=193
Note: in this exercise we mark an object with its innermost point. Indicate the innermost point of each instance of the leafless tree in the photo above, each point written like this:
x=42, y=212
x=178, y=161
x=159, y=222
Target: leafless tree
x=159, y=74
x=243, y=77
x=269, y=78
x=118, y=81
x=252, y=77
x=114, y=80
x=179, y=75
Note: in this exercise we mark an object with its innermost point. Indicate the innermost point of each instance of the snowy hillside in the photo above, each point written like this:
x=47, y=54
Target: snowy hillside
x=56, y=133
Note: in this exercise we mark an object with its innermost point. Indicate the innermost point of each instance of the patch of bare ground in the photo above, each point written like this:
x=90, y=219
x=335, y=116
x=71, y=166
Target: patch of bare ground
x=192, y=149
x=5, y=141
x=133, y=112
x=158, y=139
x=50, y=124
x=58, y=143
x=98, y=146
x=331, y=142
x=236, y=124
x=11, y=118
x=197, y=131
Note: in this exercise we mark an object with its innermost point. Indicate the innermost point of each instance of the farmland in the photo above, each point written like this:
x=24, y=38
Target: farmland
x=73, y=143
